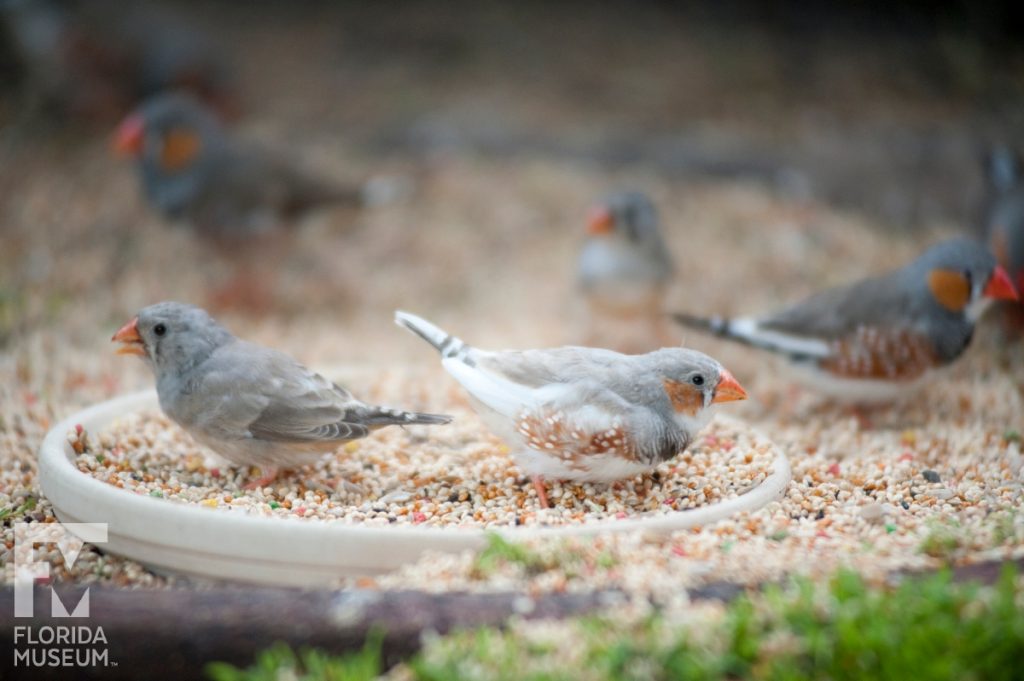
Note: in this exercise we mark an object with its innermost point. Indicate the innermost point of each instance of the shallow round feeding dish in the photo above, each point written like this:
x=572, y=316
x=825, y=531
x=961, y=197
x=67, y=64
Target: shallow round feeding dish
x=254, y=544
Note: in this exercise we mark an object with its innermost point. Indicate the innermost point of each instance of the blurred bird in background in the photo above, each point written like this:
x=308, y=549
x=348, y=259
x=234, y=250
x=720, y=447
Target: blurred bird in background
x=623, y=270
x=1004, y=225
x=95, y=59
x=238, y=196
x=227, y=189
x=878, y=339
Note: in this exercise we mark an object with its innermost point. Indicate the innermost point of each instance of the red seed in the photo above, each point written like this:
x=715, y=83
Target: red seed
x=419, y=517
x=834, y=469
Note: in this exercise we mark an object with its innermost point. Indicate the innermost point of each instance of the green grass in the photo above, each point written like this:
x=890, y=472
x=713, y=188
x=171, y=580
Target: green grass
x=943, y=540
x=280, y=662
x=1005, y=528
x=12, y=512
x=570, y=558
x=924, y=629
x=499, y=550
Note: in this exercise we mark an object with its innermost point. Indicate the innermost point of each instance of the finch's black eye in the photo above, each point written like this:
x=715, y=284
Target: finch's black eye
x=697, y=380
x=159, y=329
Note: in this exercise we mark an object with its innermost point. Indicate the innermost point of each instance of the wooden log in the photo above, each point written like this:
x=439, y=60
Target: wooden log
x=174, y=633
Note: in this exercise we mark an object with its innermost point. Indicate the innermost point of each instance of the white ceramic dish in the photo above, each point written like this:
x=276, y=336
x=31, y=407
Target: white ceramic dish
x=167, y=536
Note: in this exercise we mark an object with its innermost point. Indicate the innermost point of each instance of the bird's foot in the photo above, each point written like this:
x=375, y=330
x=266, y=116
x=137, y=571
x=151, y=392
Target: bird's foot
x=542, y=492
x=862, y=415
x=344, y=486
x=269, y=475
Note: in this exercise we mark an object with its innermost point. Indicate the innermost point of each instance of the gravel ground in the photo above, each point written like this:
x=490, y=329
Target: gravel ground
x=485, y=247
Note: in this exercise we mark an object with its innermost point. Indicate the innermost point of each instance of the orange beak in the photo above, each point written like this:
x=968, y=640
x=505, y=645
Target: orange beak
x=1000, y=287
x=728, y=389
x=129, y=135
x=601, y=222
x=129, y=335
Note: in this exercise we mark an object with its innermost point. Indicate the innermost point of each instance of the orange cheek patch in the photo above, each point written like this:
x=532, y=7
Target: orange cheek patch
x=685, y=398
x=950, y=288
x=180, y=148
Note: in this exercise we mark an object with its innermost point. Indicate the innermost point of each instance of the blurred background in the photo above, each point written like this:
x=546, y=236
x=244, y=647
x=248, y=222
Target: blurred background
x=786, y=146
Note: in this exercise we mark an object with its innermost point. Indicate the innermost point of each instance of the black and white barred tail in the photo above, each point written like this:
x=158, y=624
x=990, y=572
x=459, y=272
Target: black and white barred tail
x=378, y=417
x=750, y=332
x=448, y=345
x=716, y=325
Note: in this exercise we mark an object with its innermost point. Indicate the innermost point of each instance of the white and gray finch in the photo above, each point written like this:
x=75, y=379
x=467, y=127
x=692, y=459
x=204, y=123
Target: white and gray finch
x=872, y=340
x=250, y=404
x=585, y=414
x=623, y=270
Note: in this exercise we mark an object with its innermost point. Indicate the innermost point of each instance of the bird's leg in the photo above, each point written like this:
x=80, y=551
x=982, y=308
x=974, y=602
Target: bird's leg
x=269, y=475
x=862, y=415
x=342, y=485
x=542, y=493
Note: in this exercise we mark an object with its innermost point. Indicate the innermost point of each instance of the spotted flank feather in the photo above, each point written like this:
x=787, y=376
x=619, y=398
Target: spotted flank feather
x=552, y=432
x=874, y=353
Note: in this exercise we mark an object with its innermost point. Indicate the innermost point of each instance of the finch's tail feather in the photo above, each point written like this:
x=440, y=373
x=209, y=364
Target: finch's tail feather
x=377, y=417
x=384, y=190
x=716, y=325
x=309, y=193
x=448, y=345
x=749, y=332
x=377, y=191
